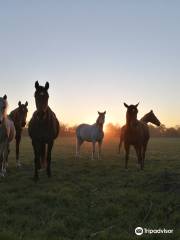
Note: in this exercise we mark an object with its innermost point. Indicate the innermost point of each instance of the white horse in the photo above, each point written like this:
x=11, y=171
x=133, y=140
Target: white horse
x=91, y=133
x=7, y=133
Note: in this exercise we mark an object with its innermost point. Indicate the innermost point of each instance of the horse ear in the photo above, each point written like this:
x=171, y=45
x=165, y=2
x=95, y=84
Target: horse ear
x=126, y=105
x=151, y=111
x=47, y=85
x=104, y=112
x=99, y=113
x=137, y=105
x=26, y=103
x=5, y=97
x=19, y=103
x=36, y=85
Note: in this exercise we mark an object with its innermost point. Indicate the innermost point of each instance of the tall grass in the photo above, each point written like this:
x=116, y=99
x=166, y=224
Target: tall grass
x=92, y=199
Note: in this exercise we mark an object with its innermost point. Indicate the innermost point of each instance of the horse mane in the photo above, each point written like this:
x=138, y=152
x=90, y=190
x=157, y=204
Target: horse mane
x=131, y=121
x=100, y=125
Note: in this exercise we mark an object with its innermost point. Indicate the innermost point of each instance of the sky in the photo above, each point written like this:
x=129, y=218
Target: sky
x=95, y=54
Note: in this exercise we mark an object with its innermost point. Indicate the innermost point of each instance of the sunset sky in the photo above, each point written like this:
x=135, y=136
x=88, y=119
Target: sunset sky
x=95, y=54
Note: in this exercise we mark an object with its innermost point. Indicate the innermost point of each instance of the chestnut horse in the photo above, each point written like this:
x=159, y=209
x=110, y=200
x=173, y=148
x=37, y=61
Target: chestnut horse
x=18, y=116
x=136, y=133
x=43, y=130
x=147, y=118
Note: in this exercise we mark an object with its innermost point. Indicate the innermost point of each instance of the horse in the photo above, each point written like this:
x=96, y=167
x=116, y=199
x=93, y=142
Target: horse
x=91, y=133
x=18, y=116
x=43, y=130
x=136, y=133
x=7, y=133
x=147, y=118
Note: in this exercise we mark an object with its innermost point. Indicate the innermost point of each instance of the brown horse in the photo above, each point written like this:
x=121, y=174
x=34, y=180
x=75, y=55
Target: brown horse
x=18, y=116
x=43, y=130
x=136, y=133
x=147, y=118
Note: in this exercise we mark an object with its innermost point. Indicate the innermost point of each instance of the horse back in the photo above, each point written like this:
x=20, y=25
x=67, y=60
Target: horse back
x=89, y=133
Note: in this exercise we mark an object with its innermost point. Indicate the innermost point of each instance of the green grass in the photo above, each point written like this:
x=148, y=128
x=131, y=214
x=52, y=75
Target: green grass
x=92, y=199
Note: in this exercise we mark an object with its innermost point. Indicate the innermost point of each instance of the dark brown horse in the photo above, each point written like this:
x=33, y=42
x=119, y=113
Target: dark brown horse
x=43, y=129
x=18, y=116
x=136, y=133
x=147, y=118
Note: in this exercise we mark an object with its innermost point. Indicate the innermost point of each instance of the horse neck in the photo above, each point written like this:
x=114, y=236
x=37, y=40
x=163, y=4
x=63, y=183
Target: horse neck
x=14, y=115
x=5, y=120
x=130, y=120
x=42, y=107
x=145, y=119
x=99, y=125
x=5, y=116
x=45, y=115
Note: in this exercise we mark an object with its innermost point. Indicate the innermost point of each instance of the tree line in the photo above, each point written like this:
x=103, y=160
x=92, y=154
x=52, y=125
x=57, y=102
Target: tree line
x=113, y=130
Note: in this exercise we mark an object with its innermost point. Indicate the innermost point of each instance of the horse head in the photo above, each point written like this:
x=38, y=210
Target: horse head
x=22, y=112
x=101, y=118
x=131, y=113
x=3, y=107
x=153, y=119
x=41, y=97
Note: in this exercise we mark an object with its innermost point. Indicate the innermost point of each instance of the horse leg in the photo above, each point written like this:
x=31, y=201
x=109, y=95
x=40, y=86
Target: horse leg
x=6, y=153
x=139, y=155
x=36, y=160
x=120, y=145
x=143, y=158
x=43, y=160
x=18, y=140
x=1, y=164
x=3, y=157
x=50, y=146
x=78, y=145
x=99, y=150
x=127, y=148
x=144, y=152
x=93, y=150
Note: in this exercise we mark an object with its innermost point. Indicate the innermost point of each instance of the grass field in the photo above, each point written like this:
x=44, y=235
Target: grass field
x=92, y=199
